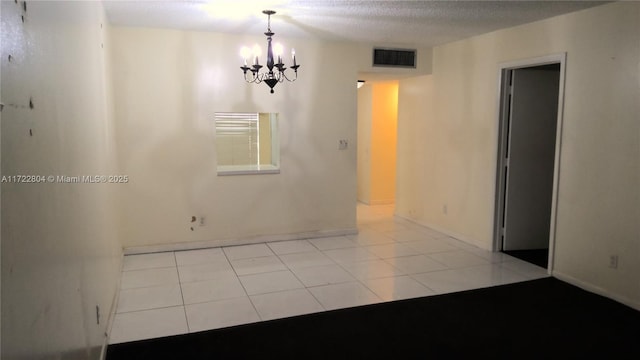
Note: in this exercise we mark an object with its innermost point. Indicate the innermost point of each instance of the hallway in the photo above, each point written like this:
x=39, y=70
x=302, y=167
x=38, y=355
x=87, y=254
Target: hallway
x=180, y=292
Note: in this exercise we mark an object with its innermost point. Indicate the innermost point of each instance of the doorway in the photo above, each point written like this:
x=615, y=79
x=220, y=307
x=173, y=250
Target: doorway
x=530, y=105
x=377, y=140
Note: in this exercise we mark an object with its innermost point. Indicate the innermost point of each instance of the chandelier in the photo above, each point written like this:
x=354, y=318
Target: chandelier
x=276, y=73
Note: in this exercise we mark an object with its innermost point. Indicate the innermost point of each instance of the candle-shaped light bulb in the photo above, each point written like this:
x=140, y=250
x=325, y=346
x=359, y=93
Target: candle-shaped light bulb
x=277, y=50
x=256, y=53
x=293, y=56
x=245, y=52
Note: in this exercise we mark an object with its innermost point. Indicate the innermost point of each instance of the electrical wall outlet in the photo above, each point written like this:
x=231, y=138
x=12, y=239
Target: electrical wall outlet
x=613, y=261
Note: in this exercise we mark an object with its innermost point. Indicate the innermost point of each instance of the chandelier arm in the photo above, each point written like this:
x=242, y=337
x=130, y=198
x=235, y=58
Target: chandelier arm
x=254, y=78
x=290, y=80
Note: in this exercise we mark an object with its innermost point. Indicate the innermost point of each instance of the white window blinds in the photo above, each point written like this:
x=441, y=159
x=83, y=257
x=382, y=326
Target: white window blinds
x=237, y=136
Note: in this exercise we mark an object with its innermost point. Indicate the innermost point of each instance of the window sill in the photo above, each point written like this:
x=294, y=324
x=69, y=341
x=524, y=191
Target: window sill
x=228, y=170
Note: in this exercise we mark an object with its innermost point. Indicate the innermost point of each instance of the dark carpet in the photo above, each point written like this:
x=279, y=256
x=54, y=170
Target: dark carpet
x=538, y=257
x=538, y=319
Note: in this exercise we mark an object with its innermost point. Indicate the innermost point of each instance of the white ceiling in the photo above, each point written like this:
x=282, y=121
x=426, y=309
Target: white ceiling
x=402, y=23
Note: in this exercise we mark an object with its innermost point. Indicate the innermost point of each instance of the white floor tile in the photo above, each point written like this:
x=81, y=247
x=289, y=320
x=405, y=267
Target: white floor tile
x=247, y=251
x=307, y=259
x=149, y=277
x=350, y=255
x=270, y=282
x=367, y=213
x=458, y=259
x=528, y=270
x=433, y=233
x=415, y=264
x=408, y=235
x=219, y=314
x=285, y=303
x=492, y=275
x=291, y=247
x=149, y=298
x=386, y=225
x=214, y=282
x=492, y=257
x=201, y=272
x=396, y=288
x=257, y=265
x=336, y=242
x=322, y=275
x=201, y=256
x=368, y=237
x=429, y=246
x=372, y=269
x=386, y=251
x=148, y=324
x=148, y=261
x=344, y=295
x=460, y=244
x=211, y=290
x=447, y=281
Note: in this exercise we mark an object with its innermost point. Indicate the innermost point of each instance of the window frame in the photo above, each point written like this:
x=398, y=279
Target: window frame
x=254, y=167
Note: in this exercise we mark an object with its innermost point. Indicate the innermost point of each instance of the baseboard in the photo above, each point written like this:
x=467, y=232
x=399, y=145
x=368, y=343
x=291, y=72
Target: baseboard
x=237, y=241
x=596, y=290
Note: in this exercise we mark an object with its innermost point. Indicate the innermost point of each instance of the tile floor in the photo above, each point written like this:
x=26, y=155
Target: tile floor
x=187, y=291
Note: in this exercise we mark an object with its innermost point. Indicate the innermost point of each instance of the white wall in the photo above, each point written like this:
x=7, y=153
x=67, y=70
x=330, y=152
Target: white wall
x=169, y=83
x=599, y=196
x=416, y=150
x=60, y=252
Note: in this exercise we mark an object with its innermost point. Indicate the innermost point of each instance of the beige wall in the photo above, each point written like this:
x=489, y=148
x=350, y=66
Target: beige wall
x=384, y=123
x=169, y=83
x=60, y=250
x=599, y=196
x=416, y=171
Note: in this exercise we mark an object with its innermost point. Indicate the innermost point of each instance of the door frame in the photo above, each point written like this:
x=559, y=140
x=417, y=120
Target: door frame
x=503, y=136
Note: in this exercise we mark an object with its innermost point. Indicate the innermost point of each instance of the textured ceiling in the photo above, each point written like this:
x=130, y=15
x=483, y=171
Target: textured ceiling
x=411, y=23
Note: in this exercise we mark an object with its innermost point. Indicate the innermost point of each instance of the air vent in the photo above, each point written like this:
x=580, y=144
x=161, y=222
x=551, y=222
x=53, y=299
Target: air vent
x=404, y=58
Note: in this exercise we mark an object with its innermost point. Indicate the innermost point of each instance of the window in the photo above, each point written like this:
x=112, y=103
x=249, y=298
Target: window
x=247, y=143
